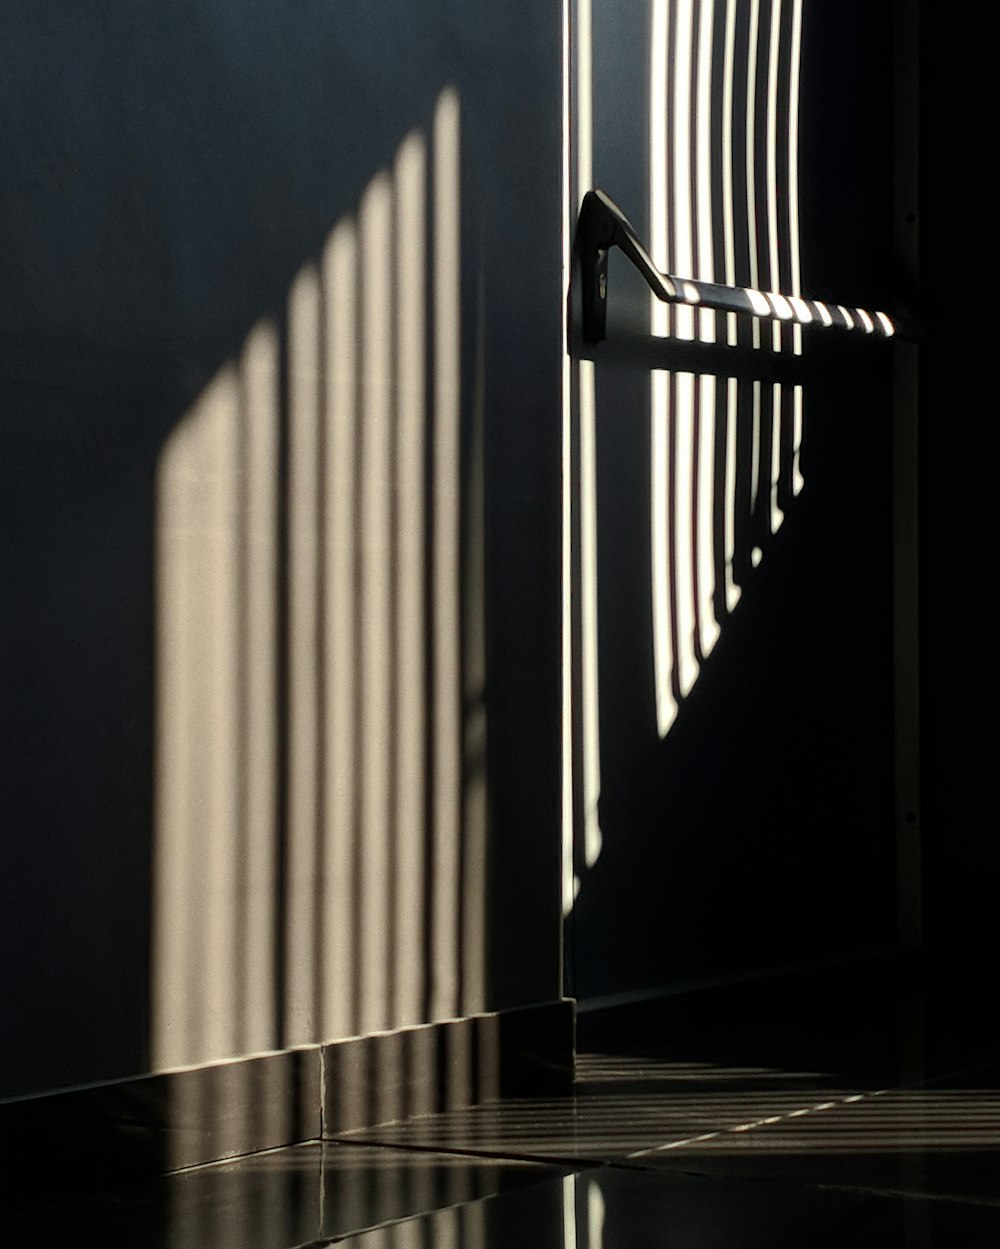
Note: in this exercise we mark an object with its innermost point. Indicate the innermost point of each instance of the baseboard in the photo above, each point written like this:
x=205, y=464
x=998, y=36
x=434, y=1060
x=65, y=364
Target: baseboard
x=154, y=1124
x=696, y=984
x=417, y=1071
x=664, y=1010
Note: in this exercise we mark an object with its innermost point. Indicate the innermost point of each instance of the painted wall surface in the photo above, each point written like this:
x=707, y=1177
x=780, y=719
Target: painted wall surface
x=960, y=522
x=735, y=811
x=280, y=310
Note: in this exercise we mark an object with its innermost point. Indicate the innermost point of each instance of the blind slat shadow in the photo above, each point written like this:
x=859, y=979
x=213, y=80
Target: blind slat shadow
x=316, y=554
x=724, y=451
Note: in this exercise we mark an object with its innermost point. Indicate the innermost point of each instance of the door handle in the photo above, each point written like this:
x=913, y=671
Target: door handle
x=602, y=225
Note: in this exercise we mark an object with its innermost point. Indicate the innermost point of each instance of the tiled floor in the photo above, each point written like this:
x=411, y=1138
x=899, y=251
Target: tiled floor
x=893, y=1143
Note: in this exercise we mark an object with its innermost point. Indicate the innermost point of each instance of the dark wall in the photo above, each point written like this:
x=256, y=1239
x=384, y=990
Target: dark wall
x=166, y=171
x=960, y=531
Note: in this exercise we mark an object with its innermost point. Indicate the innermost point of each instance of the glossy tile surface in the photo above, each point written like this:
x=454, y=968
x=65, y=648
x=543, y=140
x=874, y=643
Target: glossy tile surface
x=287, y=1197
x=620, y=1107
x=826, y=1119
x=944, y=1142
x=614, y=1209
x=874, y=1084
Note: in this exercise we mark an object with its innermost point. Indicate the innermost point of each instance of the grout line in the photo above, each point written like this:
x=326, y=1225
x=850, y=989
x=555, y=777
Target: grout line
x=227, y=1161
x=575, y=1162
x=817, y=1108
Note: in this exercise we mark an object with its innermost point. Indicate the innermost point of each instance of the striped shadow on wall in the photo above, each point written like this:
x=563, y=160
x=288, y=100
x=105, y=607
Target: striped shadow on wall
x=724, y=88
x=319, y=842
x=725, y=451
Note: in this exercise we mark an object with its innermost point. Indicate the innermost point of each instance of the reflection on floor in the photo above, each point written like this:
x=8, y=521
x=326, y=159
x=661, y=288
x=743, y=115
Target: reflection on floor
x=896, y=1143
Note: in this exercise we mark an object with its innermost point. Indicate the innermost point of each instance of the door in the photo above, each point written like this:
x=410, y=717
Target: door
x=732, y=705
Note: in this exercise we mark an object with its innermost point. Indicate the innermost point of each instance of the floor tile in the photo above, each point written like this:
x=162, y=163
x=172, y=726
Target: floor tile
x=283, y=1198
x=577, y=1130
x=614, y=1209
x=620, y=1107
x=942, y=1142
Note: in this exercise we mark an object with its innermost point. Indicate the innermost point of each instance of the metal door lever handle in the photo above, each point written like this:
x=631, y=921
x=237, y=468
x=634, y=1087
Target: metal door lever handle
x=602, y=225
